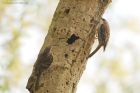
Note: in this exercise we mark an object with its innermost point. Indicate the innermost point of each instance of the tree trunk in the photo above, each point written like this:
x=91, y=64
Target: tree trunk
x=63, y=57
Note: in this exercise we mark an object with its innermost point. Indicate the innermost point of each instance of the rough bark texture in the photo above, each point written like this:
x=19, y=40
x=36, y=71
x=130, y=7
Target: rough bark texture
x=63, y=57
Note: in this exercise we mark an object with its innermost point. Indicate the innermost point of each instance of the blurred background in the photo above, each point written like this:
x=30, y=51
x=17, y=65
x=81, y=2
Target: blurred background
x=24, y=25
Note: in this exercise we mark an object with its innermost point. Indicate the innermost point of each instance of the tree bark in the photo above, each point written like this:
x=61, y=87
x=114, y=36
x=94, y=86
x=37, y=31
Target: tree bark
x=63, y=56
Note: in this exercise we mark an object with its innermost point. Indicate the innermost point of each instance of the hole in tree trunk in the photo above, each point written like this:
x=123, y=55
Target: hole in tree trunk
x=72, y=39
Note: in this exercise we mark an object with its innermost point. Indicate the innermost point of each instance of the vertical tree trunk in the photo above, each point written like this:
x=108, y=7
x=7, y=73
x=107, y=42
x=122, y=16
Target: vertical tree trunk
x=63, y=57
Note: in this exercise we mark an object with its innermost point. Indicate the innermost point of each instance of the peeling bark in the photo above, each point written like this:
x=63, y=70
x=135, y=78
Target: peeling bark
x=63, y=56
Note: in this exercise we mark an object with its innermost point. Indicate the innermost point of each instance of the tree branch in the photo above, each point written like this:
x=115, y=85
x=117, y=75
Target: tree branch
x=63, y=56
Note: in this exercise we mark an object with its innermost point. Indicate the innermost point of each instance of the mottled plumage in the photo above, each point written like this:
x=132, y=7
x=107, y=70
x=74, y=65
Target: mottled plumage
x=103, y=36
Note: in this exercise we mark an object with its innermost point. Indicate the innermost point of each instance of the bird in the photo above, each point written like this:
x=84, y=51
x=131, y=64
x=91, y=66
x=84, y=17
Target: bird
x=103, y=34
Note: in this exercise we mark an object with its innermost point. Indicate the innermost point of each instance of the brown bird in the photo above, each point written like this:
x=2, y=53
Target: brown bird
x=103, y=36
